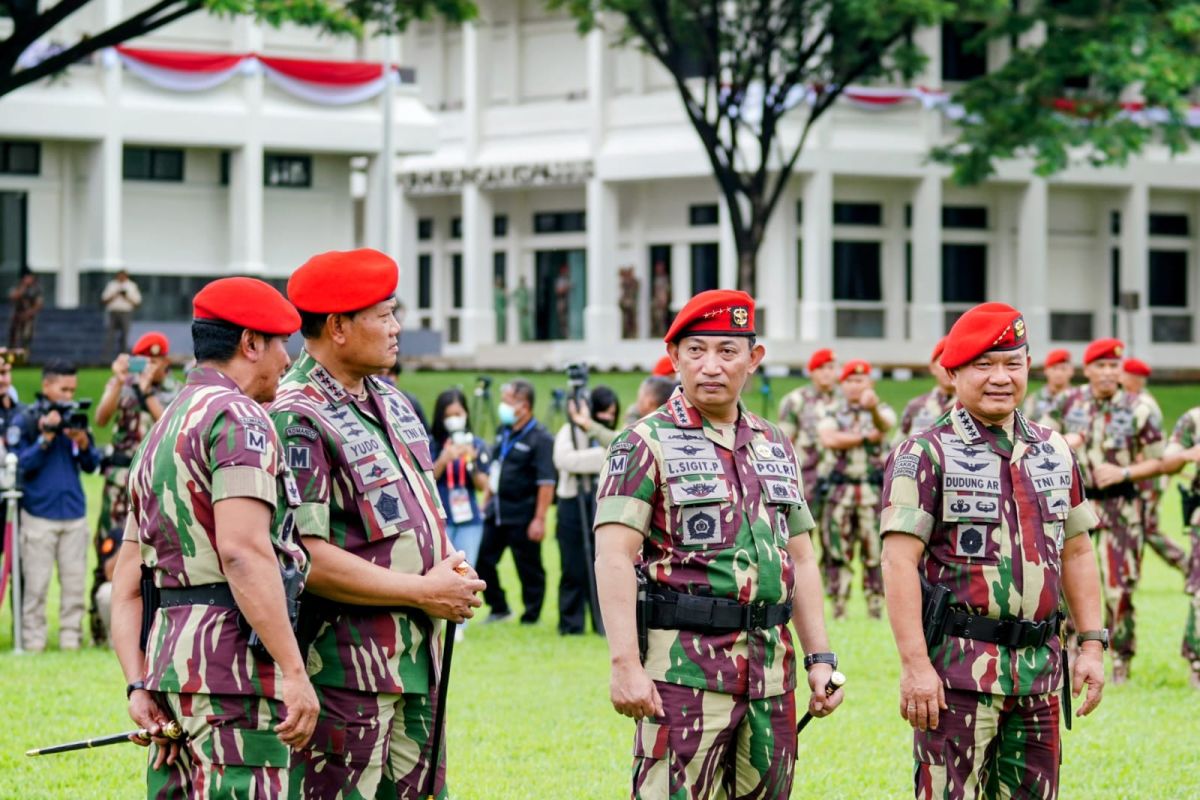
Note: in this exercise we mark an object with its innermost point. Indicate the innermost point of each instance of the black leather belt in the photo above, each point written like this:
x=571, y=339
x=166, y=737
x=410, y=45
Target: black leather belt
x=207, y=594
x=669, y=610
x=1008, y=632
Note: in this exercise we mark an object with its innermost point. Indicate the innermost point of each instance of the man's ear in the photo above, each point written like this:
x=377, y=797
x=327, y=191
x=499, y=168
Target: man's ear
x=251, y=345
x=335, y=326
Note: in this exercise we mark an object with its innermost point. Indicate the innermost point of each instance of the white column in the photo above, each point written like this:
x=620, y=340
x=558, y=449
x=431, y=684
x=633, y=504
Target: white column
x=928, y=324
x=727, y=256
x=894, y=302
x=406, y=234
x=776, y=288
x=681, y=275
x=246, y=169
x=1135, y=264
x=816, y=309
x=103, y=249
x=67, y=294
x=478, y=313
x=475, y=86
x=1032, y=246
x=602, y=317
x=599, y=77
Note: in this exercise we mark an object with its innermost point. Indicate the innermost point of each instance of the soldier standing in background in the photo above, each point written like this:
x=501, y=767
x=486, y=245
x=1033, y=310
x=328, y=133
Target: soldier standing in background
x=383, y=573
x=520, y=298
x=1059, y=371
x=924, y=410
x=706, y=496
x=203, y=488
x=989, y=508
x=630, y=288
x=800, y=411
x=1118, y=441
x=1184, y=447
x=1134, y=375
x=852, y=435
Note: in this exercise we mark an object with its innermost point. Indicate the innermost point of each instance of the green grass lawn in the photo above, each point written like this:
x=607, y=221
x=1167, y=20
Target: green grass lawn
x=529, y=712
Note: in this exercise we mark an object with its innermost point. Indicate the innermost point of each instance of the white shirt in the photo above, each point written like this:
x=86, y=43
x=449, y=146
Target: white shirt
x=115, y=301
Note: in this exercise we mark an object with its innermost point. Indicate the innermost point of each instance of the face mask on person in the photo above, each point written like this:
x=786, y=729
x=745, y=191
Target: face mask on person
x=506, y=414
x=455, y=424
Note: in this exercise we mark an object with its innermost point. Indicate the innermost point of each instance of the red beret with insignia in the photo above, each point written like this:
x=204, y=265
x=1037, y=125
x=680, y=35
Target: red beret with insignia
x=342, y=281
x=938, y=349
x=1135, y=366
x=1103, y=348
x=1057, y=357
x=246, y=303
x=716, y=312
x=820, y=358
x=982, y=329
x=664, y=367
x=152, y=343
x=855, y=366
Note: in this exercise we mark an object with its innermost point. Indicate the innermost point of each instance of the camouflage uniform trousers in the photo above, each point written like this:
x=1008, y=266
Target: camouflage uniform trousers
x=1120, y=543
x=230, y=752
x=849, y=523
x=368, y=746
x=114, y=508
x=1191, y=633
x=686, y=754
x=989, y=746
x=1158, y=541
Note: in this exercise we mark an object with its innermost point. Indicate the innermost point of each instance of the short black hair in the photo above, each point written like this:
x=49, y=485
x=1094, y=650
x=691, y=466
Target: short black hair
x=524, y=390
x=56, y=367
x=603, y=397
x=215, y=341
x=445, y=400
x=312, y=323
x=660, y=387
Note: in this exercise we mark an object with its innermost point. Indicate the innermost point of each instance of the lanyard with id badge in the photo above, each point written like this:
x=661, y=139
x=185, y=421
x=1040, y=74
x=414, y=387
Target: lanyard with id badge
x=459, y=494
x=507, y=443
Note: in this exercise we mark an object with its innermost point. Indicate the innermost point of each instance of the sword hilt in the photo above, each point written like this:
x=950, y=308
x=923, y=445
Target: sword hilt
x=836, y=681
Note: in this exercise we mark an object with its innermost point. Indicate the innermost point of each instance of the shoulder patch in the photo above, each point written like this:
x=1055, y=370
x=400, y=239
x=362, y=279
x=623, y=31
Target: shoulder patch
x=906, y=466
x=301, y=430
x=256, y=440
x=617, y=448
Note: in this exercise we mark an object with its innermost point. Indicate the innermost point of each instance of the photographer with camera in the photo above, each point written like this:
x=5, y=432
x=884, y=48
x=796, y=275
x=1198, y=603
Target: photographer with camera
x=134, y=398
x=55, y=446
x=579, y=451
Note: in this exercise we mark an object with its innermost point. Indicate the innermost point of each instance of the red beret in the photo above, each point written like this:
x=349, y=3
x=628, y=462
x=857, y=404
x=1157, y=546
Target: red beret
x=715, y=312
x=1135, y=366
x=938, y=349
x=1103, y=348
x=341, y=281
x=820, y=358
x=247, y=303
x=1057, y=357
x=986, y=327
x=855, y=366
x=152, y=343
x=664, y=367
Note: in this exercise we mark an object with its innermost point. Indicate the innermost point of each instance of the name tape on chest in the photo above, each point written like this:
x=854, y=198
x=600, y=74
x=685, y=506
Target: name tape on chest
x=690, y=491
x=774, y=469
x=953, y=482
x=679, y=467
x=361, y=447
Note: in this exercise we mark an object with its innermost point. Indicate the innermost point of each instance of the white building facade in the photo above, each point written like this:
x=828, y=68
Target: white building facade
x=533, y=165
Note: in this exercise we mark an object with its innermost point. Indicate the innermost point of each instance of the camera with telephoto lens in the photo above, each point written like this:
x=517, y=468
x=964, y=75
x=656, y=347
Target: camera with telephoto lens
x=577, y=380
x=73, y=415
x=483, y=385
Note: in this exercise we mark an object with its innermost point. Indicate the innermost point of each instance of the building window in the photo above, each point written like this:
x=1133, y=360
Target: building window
x=706, y=267
x=859, y=323
x=425, y=281
x=964, y=55
x=965, y=217
x=500, y=269
x=1114, y=223
x=1071, y=326
x=1169, y=225
x=456, y=280
x=702, y=215
x=500, y=226
x=857, y=271
x=20, y=158
x=153, y=164
x=560, y=222
x=1169, y=278
x=456, y=227
x=288, y=172
x=1168, y=328
x=424, y=229
x=858, y=214
x=964, y=273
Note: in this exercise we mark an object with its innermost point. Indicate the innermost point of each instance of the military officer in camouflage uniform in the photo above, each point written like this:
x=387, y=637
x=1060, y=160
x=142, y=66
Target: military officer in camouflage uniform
x=203, y=489
x=800, y=411
x=1134, y=375
x=132, y=402
x=925, y=409
x=706, y=497
x=383, y=573
x=852, y=435
x=1059, y=371
x=990, y=507
x=1118, y=441
x=1184, y=447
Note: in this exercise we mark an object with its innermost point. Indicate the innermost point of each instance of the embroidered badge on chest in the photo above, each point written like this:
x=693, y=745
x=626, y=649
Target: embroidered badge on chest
x=387, y=507
x=684, y=491
x=970, y=541
x=783, y=492
x=701, y=525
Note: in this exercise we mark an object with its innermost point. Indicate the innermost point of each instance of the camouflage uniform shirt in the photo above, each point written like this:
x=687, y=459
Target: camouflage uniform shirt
x=923, y=411
x=717, y=505
x=366, y=485
x=994, y=517
x=799, y=412
x=1185, y=436
x=1039, y=403
x=854, y=463
x=212, y=443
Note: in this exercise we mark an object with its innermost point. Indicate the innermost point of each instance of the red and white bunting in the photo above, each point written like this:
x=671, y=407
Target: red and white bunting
x=181, y=71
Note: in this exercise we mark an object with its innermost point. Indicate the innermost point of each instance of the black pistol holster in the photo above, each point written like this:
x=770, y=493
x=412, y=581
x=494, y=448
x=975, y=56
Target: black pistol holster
x=1189, y=501
x=642, y=617
x=935, y=610
x=151, y=601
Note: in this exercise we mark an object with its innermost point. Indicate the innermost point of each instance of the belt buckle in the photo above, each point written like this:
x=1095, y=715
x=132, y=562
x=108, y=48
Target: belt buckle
x=1009, y=633
x=756, y=616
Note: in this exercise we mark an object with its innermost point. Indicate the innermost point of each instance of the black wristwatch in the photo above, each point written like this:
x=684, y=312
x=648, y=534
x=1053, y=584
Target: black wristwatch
x=133, y=687
x=1100, y=636
x=820, y=658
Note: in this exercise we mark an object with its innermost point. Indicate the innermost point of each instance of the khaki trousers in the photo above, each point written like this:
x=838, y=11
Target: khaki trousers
x=45, y=542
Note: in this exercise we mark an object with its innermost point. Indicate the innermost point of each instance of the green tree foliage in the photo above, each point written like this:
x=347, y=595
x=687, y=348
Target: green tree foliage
x=32, y=21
